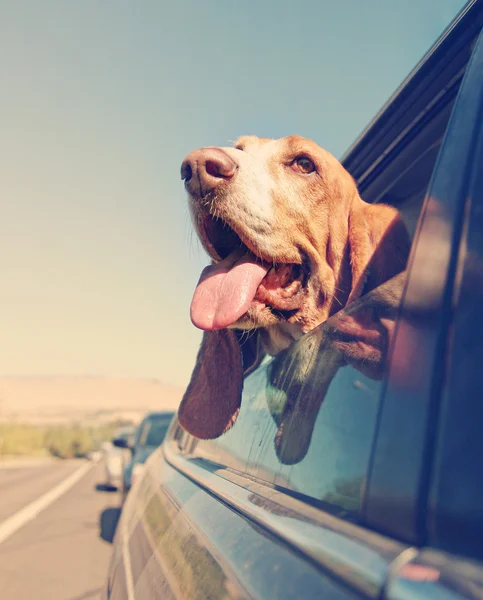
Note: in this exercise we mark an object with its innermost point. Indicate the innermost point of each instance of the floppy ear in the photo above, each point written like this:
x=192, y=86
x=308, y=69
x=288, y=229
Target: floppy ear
x=212, y=399
x=379, y=246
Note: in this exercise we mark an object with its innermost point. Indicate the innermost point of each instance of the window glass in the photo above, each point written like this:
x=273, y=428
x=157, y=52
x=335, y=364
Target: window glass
x=156, y=433
x=153, y=431
x=308, y=415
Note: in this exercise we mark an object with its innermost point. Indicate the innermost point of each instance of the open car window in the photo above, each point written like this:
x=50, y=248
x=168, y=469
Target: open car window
x=308, y=415
x=307, y=423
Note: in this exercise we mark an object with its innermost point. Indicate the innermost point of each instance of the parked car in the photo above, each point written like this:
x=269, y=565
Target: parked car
x=367, y=485
x=114, y=458
x=94, y=456
x=149, y=435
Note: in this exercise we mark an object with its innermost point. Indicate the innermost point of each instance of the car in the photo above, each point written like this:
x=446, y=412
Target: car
x=94, y=456
x=114, y=458
x=367, y=484
x=149, y=435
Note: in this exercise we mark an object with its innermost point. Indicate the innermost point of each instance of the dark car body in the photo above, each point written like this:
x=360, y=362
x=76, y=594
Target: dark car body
x=149, y=435
x=367, y=484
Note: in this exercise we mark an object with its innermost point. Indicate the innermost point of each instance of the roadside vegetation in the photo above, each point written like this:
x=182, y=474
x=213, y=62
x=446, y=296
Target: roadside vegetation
x=62, y=441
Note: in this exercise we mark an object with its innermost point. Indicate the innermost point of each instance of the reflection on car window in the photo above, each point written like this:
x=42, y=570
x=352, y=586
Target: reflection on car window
x=309, y=413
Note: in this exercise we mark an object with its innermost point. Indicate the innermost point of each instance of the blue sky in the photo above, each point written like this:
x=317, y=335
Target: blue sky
x=101, y=102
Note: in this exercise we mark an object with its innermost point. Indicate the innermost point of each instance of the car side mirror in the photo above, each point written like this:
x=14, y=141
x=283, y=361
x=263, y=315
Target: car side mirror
x=121, y=443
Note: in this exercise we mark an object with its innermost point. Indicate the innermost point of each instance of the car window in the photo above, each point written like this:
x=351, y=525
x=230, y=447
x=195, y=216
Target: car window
x=156, y=433
x=308, y=417
x=153, y=432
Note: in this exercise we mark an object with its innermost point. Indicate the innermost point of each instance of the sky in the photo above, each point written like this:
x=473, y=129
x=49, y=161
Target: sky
x=100, y=103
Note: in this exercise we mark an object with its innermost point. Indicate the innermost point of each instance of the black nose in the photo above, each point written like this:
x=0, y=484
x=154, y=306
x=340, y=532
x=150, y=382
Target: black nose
x=212, y=167
x=186, y=171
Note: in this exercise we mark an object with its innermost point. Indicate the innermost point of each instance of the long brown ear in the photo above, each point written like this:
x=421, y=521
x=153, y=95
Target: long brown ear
x=212, y=399
x=379, y=246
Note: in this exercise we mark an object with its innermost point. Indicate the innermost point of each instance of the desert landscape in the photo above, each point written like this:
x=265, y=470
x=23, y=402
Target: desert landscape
x=91, y=401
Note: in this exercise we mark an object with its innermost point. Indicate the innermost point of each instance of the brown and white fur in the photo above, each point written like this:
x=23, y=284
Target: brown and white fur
x=290, y=207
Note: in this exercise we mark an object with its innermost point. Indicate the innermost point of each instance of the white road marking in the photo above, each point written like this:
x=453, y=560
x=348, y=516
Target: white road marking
x=29, y=512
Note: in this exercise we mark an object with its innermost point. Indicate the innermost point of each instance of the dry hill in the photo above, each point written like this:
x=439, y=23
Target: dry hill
x=83, y=399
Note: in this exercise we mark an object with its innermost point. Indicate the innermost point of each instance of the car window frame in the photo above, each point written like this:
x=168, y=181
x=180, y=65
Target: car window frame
x=450, y=517
x=398, y=485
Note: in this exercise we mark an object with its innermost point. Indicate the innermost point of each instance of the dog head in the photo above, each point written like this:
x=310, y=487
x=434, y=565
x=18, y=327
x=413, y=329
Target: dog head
x=290, y=241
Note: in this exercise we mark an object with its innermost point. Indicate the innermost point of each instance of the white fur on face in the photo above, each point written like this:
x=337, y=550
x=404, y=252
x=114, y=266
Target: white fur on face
x=254, y=184
x=250, y=196
x=249, y=201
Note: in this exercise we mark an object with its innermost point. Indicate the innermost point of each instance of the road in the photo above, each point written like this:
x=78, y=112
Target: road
x=62, y=553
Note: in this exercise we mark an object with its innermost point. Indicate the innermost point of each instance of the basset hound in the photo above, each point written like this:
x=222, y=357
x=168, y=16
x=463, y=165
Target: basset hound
x=291, y=243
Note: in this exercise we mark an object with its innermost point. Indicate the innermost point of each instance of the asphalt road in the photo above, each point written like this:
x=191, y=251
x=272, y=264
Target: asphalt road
x=64, y=552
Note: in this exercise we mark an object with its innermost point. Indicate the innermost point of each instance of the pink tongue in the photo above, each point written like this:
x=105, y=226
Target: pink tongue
x=226, y=290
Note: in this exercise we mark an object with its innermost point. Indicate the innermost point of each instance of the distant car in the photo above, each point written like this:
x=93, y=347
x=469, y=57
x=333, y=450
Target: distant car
x=149, y=435
x=94, y=456
x=114, y=458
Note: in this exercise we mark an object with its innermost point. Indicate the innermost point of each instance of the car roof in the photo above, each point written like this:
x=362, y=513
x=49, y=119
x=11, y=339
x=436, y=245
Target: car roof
x=442, y=66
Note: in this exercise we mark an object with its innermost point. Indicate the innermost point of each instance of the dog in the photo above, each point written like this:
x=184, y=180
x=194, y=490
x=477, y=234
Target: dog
x=291, y=243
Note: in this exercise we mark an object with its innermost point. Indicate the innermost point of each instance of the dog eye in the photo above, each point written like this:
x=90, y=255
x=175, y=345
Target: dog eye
x=239, y=148
x=303, y=165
